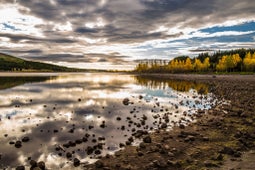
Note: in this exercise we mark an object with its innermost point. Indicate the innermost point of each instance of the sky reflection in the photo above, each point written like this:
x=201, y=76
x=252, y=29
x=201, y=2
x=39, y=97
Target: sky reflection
x=69, y=109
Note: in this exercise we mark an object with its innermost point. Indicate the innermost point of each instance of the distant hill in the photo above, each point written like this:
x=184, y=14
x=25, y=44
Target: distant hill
x=10, y=63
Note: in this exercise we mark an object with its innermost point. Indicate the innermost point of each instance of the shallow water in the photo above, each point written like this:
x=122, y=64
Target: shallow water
x=57, y=110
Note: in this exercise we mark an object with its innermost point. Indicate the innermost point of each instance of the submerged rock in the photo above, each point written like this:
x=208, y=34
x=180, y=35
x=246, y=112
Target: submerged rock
x=76, y=162
x=18, y=144
x=125, y=101
x=25, y=139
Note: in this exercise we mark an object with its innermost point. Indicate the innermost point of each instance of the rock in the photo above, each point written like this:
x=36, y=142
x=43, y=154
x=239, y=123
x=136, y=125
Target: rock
x=181, y=126
x=147, y=139
x=18, y=144
x=20, y=167
x=97, y=152
x=189, y=138
x=219, y=157
x=170, y=154
x=118, y=118
x=68, y=155
x=76, y=162
x=78, y=141
x=210, y=164
x=237, y=154
x=164, y=125
x=55, y=131
x=11, y=142
x=125, y=101
x=121, y=145
x=99, y=164
x=25, y=139
x=89, y=150
x=33, y=163
x=139, y=153
x=142, y=145
x=205, y=139
x=227, y=150
x=128, y=143
x=41, y=165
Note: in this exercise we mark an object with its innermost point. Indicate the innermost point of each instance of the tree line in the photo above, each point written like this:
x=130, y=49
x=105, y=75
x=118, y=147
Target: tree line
x=241, y=60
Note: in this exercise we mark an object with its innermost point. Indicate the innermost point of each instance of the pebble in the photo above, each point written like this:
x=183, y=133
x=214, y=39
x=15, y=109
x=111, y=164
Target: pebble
x=76, y=162
x=18, y=144
x=147, y=139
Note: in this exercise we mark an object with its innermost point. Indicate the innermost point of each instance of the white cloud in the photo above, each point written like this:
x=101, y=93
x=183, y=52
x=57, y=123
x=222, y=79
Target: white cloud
x=23, y=24
x=99, y=23
x=63, y=27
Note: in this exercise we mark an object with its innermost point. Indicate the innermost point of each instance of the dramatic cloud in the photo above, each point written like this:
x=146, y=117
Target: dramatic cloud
x=87, y=31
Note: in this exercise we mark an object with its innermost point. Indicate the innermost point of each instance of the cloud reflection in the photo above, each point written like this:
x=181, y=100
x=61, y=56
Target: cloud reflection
x=59, y=114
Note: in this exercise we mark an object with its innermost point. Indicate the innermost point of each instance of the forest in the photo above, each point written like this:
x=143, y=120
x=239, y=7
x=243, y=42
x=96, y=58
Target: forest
x=240, y=60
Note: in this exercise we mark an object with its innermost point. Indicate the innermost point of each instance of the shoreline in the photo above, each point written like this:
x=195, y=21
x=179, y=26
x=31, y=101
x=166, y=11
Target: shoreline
x=223, y=134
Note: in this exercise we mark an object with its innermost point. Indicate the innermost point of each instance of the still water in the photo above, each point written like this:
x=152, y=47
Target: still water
x=84, y=115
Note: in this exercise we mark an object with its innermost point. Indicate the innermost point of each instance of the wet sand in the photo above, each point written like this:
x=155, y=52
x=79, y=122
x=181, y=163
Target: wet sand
x=220, y=138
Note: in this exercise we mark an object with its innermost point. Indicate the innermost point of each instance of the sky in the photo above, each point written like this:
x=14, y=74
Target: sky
x=116, y=34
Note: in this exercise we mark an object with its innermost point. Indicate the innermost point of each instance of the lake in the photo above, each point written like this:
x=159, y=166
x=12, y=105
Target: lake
x=55, y=118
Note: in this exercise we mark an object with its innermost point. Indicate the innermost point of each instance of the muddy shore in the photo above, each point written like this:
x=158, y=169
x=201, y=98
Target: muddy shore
x=220, y=135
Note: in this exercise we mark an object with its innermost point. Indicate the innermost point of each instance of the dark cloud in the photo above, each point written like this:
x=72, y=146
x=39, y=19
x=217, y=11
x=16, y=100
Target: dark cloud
x=83, y=30
x=16, y=38
x=60, y=58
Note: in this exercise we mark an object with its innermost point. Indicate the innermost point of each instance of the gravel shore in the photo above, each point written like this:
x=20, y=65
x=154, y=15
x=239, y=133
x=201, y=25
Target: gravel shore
x=217, y=140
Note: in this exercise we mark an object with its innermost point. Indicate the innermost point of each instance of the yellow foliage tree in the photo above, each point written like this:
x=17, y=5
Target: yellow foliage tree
x=228, y=62
x=222, y=66
x=197, y=65
x=249, y=62
x=206, y=64
x=188, y=65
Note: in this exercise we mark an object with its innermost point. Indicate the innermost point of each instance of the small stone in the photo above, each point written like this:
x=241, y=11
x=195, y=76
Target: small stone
x=164, y=125
x=147, y=139
x=210, y=164
x=125, y=101
x=76, y=162
x=142, y=145
x=121, y=145
x=99, y=164
x=89, y=150
x=181, y=126
x=25, y=139
x=18, y=144
x=140, y=153
x=41, y=165
x=170, y=154
x=20, y=167
x=68, y=155
x=97, y=152
x=33, y=163
x=11, y=142
x=55, y=131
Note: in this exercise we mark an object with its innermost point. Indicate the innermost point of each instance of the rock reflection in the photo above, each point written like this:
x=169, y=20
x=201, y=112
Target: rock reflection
x=82, y=116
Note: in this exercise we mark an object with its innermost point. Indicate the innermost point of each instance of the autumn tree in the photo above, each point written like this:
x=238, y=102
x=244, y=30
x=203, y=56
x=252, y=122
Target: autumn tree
x=188, y=65
x=249, y=62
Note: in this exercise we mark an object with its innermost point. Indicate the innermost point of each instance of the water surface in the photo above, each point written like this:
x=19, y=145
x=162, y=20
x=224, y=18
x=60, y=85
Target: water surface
x=72, y=113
